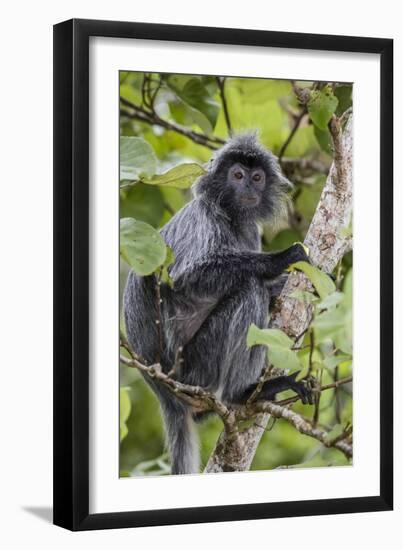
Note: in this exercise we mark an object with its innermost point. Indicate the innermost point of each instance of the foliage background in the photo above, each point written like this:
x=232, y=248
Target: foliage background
x=211, y=106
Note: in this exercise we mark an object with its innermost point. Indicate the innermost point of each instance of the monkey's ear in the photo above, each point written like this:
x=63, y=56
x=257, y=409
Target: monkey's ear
x=200, y=185
x=285, y=183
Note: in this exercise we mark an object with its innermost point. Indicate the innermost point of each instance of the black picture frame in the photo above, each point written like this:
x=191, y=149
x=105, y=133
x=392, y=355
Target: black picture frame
x=71, y=274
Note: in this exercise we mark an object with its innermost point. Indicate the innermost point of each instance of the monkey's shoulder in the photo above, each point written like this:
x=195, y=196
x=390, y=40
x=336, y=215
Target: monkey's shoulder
x=196, y=229
x=204, y=228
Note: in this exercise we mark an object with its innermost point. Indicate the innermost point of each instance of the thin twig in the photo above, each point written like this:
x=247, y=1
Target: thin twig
x=317, y=394
x=311, y=349
x=178, y=362
x=221, y=87
x=337, y=396
x=294, y=129
x=337, y=384
x=259, y=386
x=158, y=320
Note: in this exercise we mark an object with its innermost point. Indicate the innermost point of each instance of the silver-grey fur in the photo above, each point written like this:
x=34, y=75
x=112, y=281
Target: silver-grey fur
x=221, y=286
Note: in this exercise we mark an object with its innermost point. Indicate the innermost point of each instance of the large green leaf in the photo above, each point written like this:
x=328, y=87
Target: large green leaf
x=280, y=353
x=322, y=106
x=283, y=358
x=194, y=92
x=322, y=282
x=141, y=246
x=181, y=176
x=268, y=336
x=137, y=158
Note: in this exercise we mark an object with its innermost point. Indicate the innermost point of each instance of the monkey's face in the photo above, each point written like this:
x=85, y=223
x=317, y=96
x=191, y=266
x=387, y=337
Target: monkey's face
x=245, y=180
x=247, y=184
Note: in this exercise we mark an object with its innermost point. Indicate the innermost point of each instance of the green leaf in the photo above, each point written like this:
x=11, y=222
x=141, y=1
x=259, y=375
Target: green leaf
x=334, y=324
x=322, y=106
x=268, y=336
x=343, y=94
x=331, y=301
x=142, y=202
x=141, y=246
x=125, y=408
x=169, y=260
x=181, y=176
x=280, y=354
x=137, y=158
x=324, y=139
x=304, y=296
x=322, y=282
x=283, y=358
x=194, y=93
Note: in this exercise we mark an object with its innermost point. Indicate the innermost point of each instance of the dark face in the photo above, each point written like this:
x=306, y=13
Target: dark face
x=247, y=184
x=244, y=180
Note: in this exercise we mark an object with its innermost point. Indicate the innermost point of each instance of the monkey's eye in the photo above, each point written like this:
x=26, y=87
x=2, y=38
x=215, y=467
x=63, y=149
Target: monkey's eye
x=257, y=177
x=238, y=175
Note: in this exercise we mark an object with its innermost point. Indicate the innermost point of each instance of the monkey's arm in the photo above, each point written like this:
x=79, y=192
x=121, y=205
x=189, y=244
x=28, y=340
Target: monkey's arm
x=225, y=271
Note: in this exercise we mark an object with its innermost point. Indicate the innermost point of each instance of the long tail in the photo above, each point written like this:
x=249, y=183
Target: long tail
x=181, y=437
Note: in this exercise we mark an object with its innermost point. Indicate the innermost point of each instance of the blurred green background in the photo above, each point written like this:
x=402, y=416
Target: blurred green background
x=170, y=113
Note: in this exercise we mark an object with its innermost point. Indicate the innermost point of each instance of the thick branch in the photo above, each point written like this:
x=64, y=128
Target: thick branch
x=192, y=395
x=327, y=244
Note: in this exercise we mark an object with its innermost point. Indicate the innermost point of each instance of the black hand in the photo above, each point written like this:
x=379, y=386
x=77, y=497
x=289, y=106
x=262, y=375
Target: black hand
x=297, y=253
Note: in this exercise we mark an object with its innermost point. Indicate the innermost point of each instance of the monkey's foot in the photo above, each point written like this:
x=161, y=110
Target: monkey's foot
x=281, y=383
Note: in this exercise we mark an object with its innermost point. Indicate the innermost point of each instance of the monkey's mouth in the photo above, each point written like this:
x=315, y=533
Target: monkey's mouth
x=250, y=202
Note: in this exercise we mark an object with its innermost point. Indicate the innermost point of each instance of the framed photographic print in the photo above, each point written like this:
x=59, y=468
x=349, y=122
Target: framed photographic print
x=222, y=251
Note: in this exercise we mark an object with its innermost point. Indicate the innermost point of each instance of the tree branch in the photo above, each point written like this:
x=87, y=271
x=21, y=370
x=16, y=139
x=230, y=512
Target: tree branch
x=303, y=426
x=151, y=117
x=235, y=443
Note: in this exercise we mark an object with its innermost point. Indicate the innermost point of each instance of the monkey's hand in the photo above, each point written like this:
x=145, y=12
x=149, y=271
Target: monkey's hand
x=281, y=383
x=298, y=252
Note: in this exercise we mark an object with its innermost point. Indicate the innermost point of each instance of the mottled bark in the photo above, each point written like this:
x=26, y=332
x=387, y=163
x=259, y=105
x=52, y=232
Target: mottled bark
x=327, y=240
